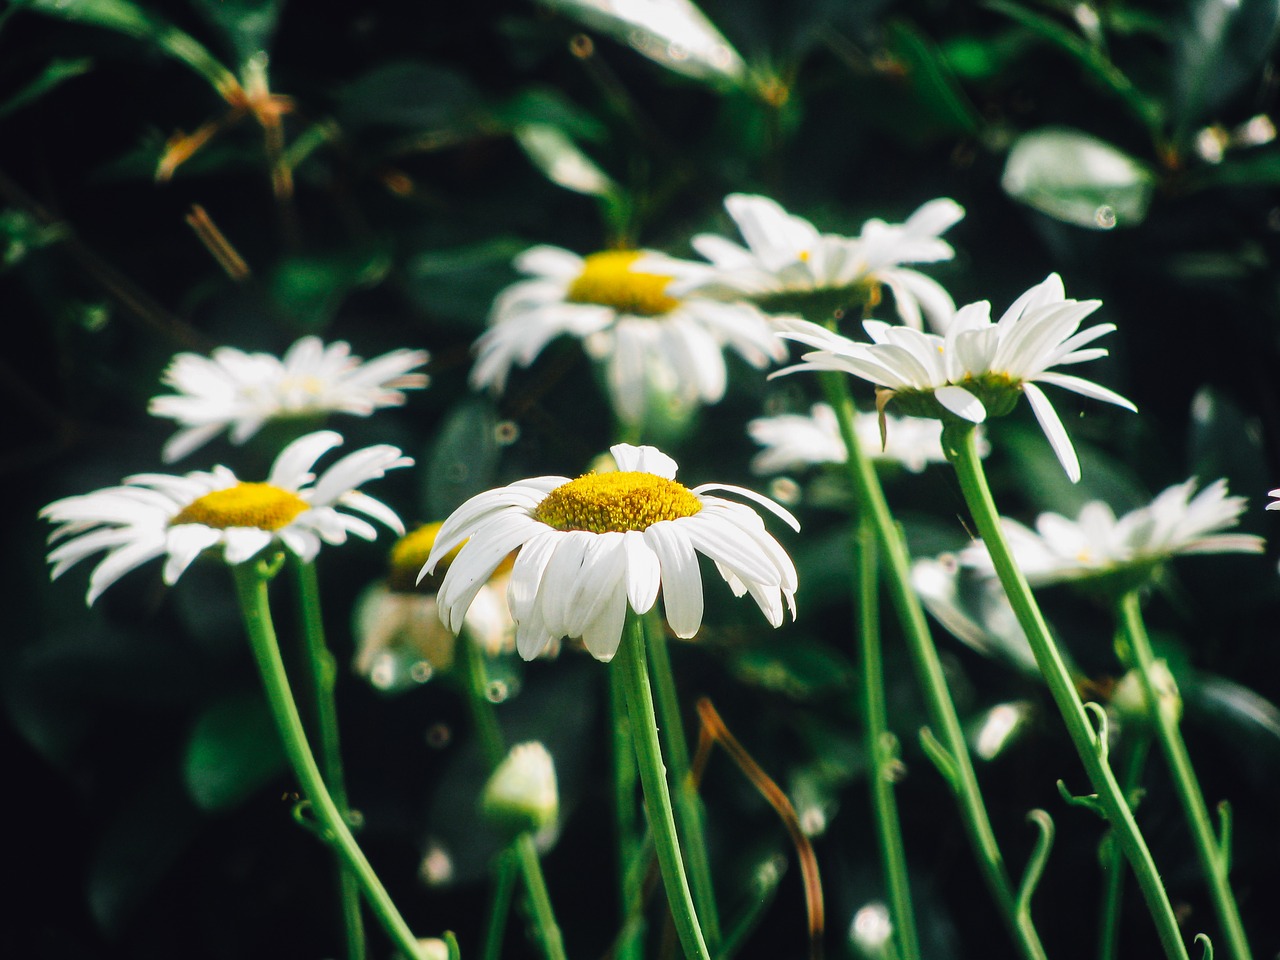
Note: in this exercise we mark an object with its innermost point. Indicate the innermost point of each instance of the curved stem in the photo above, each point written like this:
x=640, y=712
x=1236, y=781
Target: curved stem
x=644, y=731
x=1213, y=859
x=251, y=590
x=929, y=675
x=688, y=809
x=1113, y=871
x=629, y=847
x=526, y=853
x=882, y=748
x=324, y=677
x=958, y=443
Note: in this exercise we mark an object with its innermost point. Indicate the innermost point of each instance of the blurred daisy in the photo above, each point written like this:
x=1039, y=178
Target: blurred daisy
x=591, y=546
x=179, y=517
x=978, y=368
x=651, y=342
x=787, y=262
x=795, y=440
x=239, y=392
x=1098, y=544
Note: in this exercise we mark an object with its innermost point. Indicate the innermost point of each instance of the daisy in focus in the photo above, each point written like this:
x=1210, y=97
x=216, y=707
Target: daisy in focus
x=180, y=517
x=795, y=440
x=239, y=392
x=654, y=345
x=591, y=547
x=978, y=368
x=788, y=265
x=1097, y=544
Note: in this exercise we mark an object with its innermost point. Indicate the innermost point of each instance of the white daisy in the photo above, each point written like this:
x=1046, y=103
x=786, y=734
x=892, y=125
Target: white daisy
x=239, y=392
x=1274, y=504
x=180, y=517
x=795, y=440
x=591, y=546
x=978, y=368
x=650, y=341
x=787, y=261
x=1097, y=544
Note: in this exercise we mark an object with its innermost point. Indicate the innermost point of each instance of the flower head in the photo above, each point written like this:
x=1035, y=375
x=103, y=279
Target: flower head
x=1096, y=544
x=978, y=368
x=591, y=546
x=651, y=341
x=180, y=517
x=793, y=440
x=787, y=262
x=239, y=392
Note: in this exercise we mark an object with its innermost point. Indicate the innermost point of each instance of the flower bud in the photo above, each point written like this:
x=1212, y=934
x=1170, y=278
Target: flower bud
x=871, y=932
x=1130, y=702
x=522, y=795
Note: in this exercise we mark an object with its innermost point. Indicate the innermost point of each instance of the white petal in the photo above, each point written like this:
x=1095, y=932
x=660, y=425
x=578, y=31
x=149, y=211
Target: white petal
x=1086, y=388
x=776, y=509
x=1054, y=430
x=293, y=466
x=643, y=459
x=962, y=403
x=603, y=634
x=644, y=573
x=681, y=578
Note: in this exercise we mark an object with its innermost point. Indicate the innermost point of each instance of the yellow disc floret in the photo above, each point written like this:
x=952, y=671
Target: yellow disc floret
x=607, y=279
x=260, y=505
x=616, y=502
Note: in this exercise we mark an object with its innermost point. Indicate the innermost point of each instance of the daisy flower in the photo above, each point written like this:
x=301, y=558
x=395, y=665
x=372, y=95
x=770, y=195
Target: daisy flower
x=592, y=546
x=1098, y=544
x=978, y=368
x=652, y=342
x=787, y=264
x=239, y=392
x=795, y=440
x=179, y=517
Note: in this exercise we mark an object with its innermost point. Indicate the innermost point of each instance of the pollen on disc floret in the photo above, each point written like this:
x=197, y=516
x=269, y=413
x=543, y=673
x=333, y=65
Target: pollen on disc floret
x=261, y=505
x=616, y=502
x=607, y=279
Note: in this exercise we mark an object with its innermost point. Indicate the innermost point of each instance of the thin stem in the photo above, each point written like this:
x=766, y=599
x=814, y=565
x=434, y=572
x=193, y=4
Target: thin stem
x=324, y=675
x=1214, y=861
x=961, y=450
x=628, y=845
x=688, y=809
x=644, y=731
x=486, y=724
x=882, y=747
x=929, y=675
x=1113, y=871
x=251, y=590
x=504, y=888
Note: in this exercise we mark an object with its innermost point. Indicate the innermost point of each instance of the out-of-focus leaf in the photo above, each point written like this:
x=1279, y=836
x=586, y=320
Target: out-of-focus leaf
x=1224, y=442
x=802, y=671
x=980, y=58
x=1260, y=169
x=562, y=162
x=1245, y=720
x=464, y=459
x=141, y=842
x=1045, y=484
x=409, y=94
x=459, y=283
x=248, y=25
x=1092, y=58
x=20, y=234
x=232, y=752
x=1218, y=48
x=549, y=106
x=674, y=33
x=54, y=74
x=311, y=288
x=936, y=90
x=132, y=20
x=1077, y=178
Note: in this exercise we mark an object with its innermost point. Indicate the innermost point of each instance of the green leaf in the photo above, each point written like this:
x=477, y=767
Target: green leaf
x=232, y=752
x=1258, y=169
x=459, y=283
x=1225, y=442
x=802, y=671
x=1219, y=47
x=935, y=88
x=131, y=20
x=1078, y=179
x=464, y=460
x=310, y=289
x=409, y=94
x=248, y=25
x=547, y=105
x=562, y=162
x=53, y=75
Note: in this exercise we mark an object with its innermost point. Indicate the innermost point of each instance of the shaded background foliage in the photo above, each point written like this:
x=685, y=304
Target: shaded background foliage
x=150, y=804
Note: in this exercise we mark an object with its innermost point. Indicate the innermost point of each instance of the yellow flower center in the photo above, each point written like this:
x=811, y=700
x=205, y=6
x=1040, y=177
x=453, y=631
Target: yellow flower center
x=607, y=279
x=258, y=505
x=616, y=502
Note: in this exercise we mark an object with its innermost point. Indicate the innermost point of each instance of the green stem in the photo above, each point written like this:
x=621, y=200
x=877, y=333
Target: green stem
x=324, y=676
x=644, y=731
x=251, y=590
x=627, y=840
x=1113, y=872
x=929, y=674
x=1214, y=861
x=688, y=808
x=504, y=888
x=882, y=748
x=961, y=450
x=486, y=723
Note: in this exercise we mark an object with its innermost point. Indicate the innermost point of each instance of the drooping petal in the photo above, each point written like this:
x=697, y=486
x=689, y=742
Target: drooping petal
x=681, y=579
x=1054, y=431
